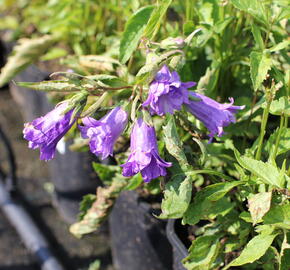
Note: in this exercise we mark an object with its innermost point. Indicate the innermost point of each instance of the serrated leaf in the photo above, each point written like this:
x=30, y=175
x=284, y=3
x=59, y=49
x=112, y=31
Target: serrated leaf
x=25, y=53
x=173, y=143
x=278, y=216
x=254, y=250
x=133, y=32
x=202, y=253
x=86, y=204
x=268, y=173
x=253, y=7
x=209, y=202
x=177, y=196
x=259, y=205
x=260, y=63
x=100, y=208
x=156, y=18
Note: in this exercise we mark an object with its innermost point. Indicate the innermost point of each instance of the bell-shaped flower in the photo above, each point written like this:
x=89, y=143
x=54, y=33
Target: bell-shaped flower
x=144, y=155
x=167, y=93
x=45, y=132
x=103, y=133
x=215, y=116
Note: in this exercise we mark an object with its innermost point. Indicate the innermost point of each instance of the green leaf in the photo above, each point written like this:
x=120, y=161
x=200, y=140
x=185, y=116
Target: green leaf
x=25, y=53
x=284, y=142
x=133, y=32
x=220, y=26
x=260, y=63
x=257, y=36
x=280, y=107
x=259, y=205
x=177, y=196
x=202, y=253
x=267, y=173
x=254, y=250
x=279, y=216
x=209, y=202
x=54, y=53
x=156, y=18
x=86, y=204
x=106, y=80
x=106, y=173
x=253, y=7
x=173, y=143
x=134, y=182
x=280, y=46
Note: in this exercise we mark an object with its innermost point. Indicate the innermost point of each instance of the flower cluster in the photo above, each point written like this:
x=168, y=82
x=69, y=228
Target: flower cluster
x=166, y=95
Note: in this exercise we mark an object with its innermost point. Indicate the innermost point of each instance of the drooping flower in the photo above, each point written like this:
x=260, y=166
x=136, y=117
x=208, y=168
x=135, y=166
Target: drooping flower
x=214, y=115
x=46, y=131
x=103, y=133
x=167, y=93
x=144, y=155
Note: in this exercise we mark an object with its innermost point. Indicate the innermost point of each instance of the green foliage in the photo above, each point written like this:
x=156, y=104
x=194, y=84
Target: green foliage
x=133, y=32
x=236, y=205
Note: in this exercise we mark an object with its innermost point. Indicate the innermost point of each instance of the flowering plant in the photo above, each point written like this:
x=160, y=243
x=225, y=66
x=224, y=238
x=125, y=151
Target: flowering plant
x=219, y=165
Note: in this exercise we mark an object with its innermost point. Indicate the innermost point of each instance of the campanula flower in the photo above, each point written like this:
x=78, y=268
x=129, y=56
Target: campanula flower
x=167, y=93
x=212, y=114
x=144, y=155
x=103, y=133
x=45, y=132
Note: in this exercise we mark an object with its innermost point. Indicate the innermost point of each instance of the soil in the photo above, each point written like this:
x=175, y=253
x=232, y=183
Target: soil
x=34, y=184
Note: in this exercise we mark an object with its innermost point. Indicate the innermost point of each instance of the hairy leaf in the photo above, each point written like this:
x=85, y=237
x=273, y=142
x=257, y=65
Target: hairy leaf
x=156, y=18
x=202, y=252
x=133, y=32
x=254, y=250
x=260, y=64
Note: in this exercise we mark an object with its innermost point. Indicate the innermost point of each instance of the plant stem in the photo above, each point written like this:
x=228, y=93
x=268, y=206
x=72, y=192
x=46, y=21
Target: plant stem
x=263, y=127
x=278, y=136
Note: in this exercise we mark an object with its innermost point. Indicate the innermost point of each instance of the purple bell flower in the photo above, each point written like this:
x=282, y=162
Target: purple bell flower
x=46, y=131
x=104, y=133
x=167, y=93
x=144, y=155
x=214, y=115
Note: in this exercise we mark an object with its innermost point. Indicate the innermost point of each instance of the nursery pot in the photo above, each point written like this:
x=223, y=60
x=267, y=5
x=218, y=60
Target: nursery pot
x=71, y=172
x=138, y=239
x=179, y=249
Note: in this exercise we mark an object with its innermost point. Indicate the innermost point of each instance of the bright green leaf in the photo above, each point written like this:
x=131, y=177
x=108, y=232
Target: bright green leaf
x=177, y=196
x=257, y=36
x=133, y=32
x=268, y=173
x=254, y=250
x=279, y=216
x=202, y=253
x=156, y=18
x=260, y=64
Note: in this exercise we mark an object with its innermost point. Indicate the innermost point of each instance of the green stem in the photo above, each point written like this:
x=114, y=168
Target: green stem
x=263, y=127
x=278, y=136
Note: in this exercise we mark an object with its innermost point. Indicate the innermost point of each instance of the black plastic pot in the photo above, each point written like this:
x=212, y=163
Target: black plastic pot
x=71, y=172
x=179, y=249
x=138, y=239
